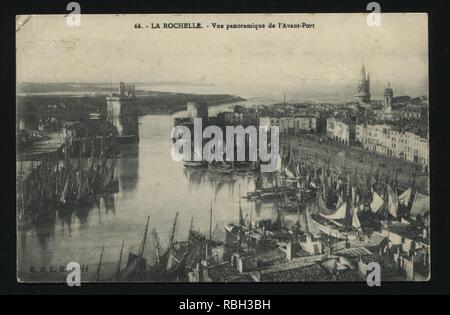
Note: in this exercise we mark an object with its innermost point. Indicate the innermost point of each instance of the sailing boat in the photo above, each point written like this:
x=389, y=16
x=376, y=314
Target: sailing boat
x=192, y=163
x=343, y=222
x=136, y=264
x=291, y=205
x=390, y=207
x=220, y=168
x=237, y=230
x=170, y=265
x=119, y=264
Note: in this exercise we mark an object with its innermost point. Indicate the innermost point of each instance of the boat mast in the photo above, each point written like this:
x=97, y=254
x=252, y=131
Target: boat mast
x=141, y=250
x=278, y=219
x=191, y=227
x=215, y=228
x=210, y=222
x=241, y=219
x=97, y=278
x=413, y=192
x=120, y=259
x=349, y=206
x=173, y=231
x=157, y=246
x=251, y=218
x=238, y=243
x=298, y=216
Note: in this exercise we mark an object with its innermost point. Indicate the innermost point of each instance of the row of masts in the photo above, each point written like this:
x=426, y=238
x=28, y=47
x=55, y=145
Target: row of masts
x=59, y=181
x=332, y=187
x=162, y=260
x=93, y=145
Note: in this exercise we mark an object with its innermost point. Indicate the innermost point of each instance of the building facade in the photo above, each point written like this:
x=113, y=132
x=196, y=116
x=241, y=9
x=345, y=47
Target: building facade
x=410, y=112
x=290, y=124
x=392, y=141
x=339, y=130
x=197, y=110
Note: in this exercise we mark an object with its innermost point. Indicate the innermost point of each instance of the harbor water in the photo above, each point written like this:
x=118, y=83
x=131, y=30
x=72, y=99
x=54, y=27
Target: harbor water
x=150, y=184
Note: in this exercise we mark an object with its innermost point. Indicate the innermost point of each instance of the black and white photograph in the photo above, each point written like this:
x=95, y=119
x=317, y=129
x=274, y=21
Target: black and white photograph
x=222, y=148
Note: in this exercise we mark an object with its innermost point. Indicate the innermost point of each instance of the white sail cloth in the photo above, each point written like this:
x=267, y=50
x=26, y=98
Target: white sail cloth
x=403, y=199
x=339, y=214
x=392, y=201
x=377, y=202
x=355, y=220
x=421, y=205
x=288, y=173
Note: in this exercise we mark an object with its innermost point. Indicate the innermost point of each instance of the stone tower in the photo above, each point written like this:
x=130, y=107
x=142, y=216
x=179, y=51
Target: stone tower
x=122, y=112
x=388, y=96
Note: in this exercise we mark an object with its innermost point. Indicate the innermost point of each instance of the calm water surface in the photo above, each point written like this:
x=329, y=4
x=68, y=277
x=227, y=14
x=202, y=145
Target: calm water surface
x=151, y=183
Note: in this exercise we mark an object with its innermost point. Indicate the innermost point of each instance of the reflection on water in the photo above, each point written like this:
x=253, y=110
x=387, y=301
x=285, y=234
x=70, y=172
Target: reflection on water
x=151, y=183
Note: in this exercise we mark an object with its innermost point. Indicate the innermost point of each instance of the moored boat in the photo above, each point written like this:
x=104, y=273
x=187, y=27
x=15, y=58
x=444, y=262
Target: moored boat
x=195, y=164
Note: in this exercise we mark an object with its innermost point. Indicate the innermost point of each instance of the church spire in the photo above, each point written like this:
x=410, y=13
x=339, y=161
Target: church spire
x=363, y=73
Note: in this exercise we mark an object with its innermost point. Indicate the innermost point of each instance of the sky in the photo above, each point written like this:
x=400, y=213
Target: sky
x=323, y=59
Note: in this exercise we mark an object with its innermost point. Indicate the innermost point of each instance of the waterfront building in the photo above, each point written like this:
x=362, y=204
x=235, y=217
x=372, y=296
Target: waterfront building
x=229, y=118
x=292, y=124
x=249, y=117
x=410, y=248
x=342, y=130
x=393, y=141
x=197, y=110
x=307, y=123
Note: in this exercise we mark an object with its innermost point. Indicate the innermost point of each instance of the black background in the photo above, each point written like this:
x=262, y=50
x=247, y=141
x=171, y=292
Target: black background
x=438, y=12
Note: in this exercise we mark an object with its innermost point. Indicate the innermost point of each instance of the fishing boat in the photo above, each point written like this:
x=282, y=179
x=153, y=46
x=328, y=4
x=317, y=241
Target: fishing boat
x=290, y=205
x=169, y=266
x=243, y=167
x=136, y=266
x=344, y=222
x=332, y=228
x=222, y=168
x=194, y=164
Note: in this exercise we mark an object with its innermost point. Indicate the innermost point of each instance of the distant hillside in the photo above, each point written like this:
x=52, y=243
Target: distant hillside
x=63, y=88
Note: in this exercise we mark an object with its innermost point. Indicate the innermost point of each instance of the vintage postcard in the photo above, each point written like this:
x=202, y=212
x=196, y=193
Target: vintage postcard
x=222, y=148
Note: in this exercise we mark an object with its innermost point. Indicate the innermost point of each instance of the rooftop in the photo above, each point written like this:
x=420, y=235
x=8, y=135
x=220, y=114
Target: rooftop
x=406, y=230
